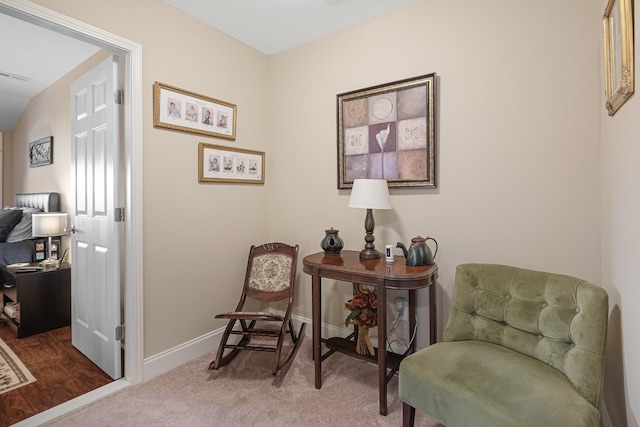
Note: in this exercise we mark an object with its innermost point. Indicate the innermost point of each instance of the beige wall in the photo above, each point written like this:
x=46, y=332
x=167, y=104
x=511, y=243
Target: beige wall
x=518, y=152
x=620, y=153
x=7, y=167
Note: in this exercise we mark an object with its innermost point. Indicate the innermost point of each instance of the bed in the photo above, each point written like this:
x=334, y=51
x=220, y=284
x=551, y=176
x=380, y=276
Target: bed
x=16, y=241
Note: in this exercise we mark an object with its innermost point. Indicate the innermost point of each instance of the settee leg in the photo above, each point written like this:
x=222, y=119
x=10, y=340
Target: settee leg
x=408, y=415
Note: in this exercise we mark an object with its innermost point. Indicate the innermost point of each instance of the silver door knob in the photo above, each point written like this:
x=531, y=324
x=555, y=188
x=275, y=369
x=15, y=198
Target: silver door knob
x=72, y=229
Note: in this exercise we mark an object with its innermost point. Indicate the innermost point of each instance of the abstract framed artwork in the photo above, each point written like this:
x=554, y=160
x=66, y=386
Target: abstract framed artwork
x=618, y=54
x=388, y=132
x=179, y=109
x=230, y=165
x=41, y=152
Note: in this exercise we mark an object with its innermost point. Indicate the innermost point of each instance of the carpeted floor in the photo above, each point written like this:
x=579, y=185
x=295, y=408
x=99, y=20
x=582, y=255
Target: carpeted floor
x=244, y=393
x=13, y=373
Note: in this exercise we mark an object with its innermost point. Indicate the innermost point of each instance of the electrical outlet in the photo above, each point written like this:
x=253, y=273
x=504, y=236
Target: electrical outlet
x=405, y=312
x=403, y=308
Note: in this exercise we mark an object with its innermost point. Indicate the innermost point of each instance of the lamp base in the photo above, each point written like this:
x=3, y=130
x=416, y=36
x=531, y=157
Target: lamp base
x=369, y=251
x=369, y=254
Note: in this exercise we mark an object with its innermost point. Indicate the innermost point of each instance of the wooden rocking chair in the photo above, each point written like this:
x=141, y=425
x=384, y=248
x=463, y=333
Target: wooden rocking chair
x=270, y=276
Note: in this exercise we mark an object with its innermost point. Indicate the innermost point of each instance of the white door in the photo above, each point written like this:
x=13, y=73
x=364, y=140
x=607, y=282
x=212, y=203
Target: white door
x=95, y=241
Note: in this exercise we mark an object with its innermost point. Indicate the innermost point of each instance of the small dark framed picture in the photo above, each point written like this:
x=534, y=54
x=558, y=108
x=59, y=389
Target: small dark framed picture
x=40, y=252
x=55, y=249
x=41, y=152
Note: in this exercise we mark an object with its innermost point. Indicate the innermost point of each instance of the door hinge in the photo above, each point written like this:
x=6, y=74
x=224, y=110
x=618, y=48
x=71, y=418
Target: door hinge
x=120, y=333
x=118, y=97
x=119, y=214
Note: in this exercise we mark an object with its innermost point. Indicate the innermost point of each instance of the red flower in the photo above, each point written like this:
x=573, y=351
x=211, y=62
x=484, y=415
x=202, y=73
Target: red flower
x=360, y=300
x=373, y=300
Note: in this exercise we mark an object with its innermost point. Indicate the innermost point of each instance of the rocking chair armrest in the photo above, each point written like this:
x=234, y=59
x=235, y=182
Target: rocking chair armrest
x=250, y=315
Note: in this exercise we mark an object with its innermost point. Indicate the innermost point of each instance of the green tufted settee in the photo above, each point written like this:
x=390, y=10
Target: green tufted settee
x=521, y=348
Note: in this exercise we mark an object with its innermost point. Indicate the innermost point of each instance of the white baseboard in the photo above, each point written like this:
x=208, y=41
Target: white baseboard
x=183, y=353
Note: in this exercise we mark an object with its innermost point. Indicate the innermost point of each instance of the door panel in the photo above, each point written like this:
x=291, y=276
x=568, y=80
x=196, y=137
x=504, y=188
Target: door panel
x=95, y=149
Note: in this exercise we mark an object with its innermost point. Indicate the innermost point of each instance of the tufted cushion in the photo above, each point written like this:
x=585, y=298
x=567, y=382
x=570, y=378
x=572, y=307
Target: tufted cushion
x=270, y=272
x=557, y=319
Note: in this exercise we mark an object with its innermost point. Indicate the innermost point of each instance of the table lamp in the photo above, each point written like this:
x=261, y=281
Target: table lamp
x=48, y=224
x=369, y=194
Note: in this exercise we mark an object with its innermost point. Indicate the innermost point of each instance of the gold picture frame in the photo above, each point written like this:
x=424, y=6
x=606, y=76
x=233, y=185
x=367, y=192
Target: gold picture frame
x=389, y=132
x=618, y=53
x=217, y=163
x=179, y=109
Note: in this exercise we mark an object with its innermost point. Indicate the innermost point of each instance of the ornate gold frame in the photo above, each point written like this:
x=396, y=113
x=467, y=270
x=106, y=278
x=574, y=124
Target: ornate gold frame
x=244, y=166
x=222, y=119
x=409, y=121
x=618, y=53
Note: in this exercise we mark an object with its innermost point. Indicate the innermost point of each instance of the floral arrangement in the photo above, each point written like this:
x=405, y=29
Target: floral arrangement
x=363, y=313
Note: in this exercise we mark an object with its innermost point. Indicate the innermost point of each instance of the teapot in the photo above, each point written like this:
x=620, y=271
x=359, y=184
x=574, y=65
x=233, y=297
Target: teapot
x=419, y=252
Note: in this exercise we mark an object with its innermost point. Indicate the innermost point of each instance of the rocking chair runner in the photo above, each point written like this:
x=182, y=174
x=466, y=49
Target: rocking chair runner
x=270, y=276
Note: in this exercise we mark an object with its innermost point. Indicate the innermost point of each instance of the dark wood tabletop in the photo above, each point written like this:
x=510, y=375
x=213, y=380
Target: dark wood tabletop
x=349, y=267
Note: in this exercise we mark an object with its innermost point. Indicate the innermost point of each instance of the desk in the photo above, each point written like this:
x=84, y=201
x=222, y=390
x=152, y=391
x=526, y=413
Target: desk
x=348, y=267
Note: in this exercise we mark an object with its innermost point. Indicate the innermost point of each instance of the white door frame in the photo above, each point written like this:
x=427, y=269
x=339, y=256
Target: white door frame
x=132, y=169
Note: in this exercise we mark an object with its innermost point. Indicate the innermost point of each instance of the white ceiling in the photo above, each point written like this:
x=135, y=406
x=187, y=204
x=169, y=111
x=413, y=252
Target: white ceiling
x=273, y=26
x=41, y=55
x=270, y=26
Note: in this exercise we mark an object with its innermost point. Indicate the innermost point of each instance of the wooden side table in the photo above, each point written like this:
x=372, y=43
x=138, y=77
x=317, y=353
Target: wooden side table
x=44, y=298
x=348, y=267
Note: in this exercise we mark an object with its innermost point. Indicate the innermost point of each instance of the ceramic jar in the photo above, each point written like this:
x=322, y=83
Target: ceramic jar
x=332, y=244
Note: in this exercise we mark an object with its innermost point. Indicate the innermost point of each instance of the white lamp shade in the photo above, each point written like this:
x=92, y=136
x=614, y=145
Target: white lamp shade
x=370, y=194
x=48, y=224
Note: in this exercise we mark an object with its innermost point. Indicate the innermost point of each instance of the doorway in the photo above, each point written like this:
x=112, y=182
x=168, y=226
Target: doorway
x=132, y=174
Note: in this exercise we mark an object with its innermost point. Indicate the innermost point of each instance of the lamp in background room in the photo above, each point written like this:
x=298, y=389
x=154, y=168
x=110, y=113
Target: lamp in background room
x=49, y=224
x=369, y=194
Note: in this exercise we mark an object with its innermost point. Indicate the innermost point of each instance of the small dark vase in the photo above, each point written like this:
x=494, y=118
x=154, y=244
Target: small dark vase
x=332, y=244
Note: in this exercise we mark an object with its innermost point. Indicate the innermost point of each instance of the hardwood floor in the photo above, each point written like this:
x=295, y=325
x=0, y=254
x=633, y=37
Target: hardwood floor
x=61, y=371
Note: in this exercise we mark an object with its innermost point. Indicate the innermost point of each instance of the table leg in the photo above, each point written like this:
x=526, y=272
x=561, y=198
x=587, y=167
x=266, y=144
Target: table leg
x=382, y=348
x=433, y=326
x=316, y=297
x=412, y=318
